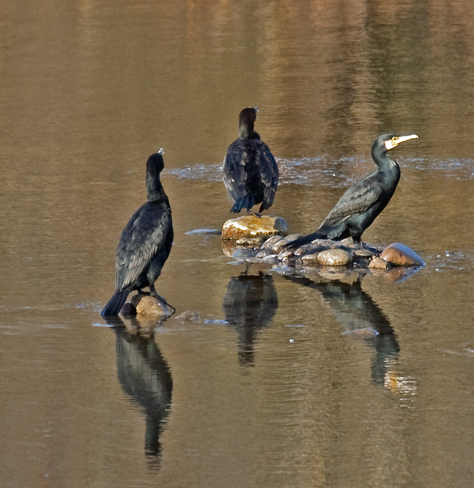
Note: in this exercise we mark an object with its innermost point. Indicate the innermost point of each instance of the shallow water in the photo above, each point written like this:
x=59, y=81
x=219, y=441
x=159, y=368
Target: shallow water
x=271, y=387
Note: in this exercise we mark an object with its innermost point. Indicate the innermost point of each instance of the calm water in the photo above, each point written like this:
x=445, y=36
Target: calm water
x=267, y=389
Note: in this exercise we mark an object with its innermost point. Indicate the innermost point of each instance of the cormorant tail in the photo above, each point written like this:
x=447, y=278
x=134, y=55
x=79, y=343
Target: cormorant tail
x=115, y=304
x=243, y=202
x=301, y=241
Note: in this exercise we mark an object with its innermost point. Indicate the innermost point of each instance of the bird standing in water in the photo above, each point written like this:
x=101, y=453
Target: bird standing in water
x=363, y=202
x=250, y=170
x=145, y=243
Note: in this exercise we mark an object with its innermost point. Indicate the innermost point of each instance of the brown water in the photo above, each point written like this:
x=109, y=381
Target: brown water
x=276, y=395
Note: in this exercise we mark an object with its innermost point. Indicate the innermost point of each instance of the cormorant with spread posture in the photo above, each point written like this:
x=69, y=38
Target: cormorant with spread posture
x=145, y=242
x=250, y=170
x=363, y=202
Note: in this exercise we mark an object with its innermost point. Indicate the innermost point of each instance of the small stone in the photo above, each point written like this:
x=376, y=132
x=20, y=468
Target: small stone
x=310, y=260
x=276, y=248
x=334, y=257
x=286, y=254
x=264, y=253
x=379, y=263
x=128, y=310
x=301, y=251
x=271, y=241
x=401, y=255
x=363, y=253
x=250, y=226
x=188, y=316
x=148, y=305
x=272, y=259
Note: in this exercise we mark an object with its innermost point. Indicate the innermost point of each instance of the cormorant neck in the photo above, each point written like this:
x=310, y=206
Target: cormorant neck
x=246, y=130
x=154, y=188
x=382, y=160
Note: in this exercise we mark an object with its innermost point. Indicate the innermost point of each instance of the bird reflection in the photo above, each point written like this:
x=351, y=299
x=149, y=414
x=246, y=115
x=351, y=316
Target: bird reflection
x=250, y=303
x=354, y=309
x=145, y=376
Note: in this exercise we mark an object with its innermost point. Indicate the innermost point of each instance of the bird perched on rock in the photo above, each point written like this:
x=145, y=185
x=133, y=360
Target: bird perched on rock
x=145, y=243
x=363, y=202
x=250, y=170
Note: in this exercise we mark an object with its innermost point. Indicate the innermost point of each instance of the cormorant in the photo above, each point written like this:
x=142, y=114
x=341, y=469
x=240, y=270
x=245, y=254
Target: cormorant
x=250, y=170
x=145, y=242
x=363, y=202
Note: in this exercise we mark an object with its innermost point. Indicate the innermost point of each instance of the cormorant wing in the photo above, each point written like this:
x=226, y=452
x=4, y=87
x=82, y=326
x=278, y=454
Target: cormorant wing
x=143, y=237
x=234, y=171
x=355, y=201
x=268, y=170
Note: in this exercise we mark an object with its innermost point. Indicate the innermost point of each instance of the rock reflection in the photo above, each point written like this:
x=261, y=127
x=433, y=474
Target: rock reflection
x=355, y=310
x=250, y=303
x=145, y=376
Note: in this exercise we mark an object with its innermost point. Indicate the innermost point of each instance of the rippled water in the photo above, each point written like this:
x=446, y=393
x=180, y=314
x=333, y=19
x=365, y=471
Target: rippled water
x=286, y=379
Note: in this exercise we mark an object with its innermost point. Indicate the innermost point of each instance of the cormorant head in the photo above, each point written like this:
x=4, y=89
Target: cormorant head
x=247, y=119
x=386, y=142
x=155, y=164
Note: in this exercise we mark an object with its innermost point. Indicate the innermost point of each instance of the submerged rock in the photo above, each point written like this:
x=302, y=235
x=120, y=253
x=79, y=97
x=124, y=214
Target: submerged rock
x=400, y=255
x=188, y=316
x=252, y=227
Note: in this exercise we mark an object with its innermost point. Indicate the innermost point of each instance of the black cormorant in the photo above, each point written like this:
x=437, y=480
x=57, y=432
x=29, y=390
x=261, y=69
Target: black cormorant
x=363, y=202
x=250, y=170
x=145, y=242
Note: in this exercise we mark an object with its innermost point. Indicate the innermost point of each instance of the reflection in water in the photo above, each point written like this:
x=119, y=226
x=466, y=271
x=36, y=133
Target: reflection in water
x=250, y=303
x=354, y=309
x=144, y=376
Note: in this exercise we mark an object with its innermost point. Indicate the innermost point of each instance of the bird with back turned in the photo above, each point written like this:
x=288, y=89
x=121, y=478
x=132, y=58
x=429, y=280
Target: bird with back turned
x=363, y=202
x=250, y=170
x=145, y=243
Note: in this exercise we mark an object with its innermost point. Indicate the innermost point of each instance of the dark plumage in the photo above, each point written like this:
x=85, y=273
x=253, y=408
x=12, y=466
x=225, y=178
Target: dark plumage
x=145, y=242
x=250, y=170
x=364, y=201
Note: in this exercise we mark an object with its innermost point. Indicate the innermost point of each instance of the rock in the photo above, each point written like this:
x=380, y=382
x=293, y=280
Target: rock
x=276, y=248
x=148, y=306
x=401, y=255
x=271, y=241
x=264, y=253
x=378, y=263
x=310, y=260
x=188, y=316
x=250, y=226
x=334, y=257
x=128, y=310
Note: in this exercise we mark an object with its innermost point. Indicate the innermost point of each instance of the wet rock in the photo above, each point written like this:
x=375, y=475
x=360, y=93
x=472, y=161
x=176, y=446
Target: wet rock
x=148, y=306
x=272, y=259
x=378, y=263
x=188, y=316
x=128, y=310
x=335, y=257
x=276, y=248
x=401, y=255
x=269, y=243
x=250, y=226
x=365, y=333
x=285, y=254
x=363, y=253
x=310, y=260
x=264, y=253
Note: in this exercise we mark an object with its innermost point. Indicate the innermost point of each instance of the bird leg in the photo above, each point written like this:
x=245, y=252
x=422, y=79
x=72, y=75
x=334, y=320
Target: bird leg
x=153, y=293
x=255, y=214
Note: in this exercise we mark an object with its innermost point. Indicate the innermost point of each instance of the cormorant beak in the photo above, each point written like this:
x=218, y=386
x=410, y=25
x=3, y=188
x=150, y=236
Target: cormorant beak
x=396, y=140
x=256, y=109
